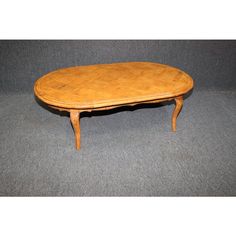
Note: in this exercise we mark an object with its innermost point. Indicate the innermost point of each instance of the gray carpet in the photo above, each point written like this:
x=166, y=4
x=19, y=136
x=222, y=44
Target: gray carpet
x=123, y=153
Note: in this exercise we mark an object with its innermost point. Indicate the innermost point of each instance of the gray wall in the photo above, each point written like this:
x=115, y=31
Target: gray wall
x=212, y=64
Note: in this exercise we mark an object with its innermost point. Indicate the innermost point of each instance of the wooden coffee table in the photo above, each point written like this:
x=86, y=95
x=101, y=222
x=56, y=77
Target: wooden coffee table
x=107, y=86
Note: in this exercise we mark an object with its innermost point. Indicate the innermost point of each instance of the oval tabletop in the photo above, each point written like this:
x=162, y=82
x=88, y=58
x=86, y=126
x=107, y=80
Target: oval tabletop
x=103, y=85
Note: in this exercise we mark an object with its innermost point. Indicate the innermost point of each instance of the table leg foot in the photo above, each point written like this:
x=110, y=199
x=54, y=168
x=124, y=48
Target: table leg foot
x=74, y=118
x=178, y=106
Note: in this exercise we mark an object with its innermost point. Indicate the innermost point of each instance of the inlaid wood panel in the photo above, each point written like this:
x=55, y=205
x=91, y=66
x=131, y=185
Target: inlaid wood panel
x=102, y=85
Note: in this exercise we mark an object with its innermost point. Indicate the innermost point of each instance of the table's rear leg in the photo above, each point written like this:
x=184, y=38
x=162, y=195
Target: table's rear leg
x=74, y=117
x=178, y=106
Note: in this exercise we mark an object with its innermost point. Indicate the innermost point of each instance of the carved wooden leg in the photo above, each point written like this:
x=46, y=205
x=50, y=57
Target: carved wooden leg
x=74, y=118
x=178, y=106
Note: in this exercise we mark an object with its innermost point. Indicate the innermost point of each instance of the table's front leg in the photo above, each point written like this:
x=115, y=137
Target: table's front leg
x=178, y=106
x=74, y=117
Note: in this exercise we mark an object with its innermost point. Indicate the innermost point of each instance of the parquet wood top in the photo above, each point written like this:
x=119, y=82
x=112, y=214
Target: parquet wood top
x=105, y=85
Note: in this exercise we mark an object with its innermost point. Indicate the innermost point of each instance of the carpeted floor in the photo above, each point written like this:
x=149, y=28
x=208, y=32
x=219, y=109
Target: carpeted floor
x=123, y=152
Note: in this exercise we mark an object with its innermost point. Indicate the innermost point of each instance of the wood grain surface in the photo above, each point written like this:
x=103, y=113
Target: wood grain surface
x=111, y=84
x=107, y=86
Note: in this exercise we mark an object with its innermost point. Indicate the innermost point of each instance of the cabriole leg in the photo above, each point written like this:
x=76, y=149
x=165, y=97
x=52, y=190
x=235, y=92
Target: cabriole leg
x=74, y=118
x=178, y=106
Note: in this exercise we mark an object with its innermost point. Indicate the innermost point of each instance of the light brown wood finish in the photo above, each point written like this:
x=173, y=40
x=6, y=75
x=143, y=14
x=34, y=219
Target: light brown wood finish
x=75, y=121
x=178, y=107
x=107, y=86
